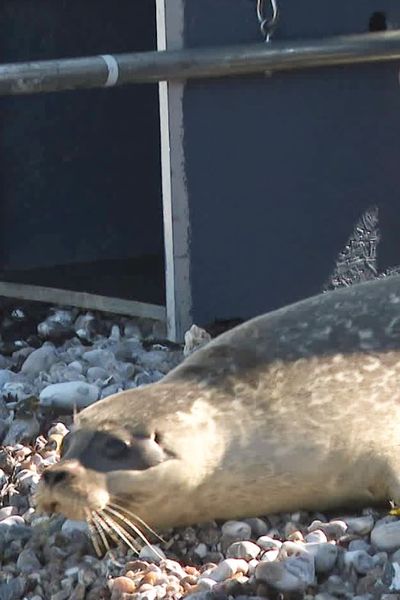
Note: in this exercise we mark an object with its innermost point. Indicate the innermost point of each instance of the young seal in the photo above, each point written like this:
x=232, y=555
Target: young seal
x=296, y=409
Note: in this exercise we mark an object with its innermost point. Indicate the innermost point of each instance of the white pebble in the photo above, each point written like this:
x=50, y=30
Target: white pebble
x=269, y=543
x=206, y=583
x=227, y=568
x=316, y=537
x=244, y=549
x=58, y=429
x=68, y=395
x=270, y=555
x=173, y=567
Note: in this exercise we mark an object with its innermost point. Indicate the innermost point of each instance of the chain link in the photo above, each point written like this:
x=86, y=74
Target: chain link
x=267, y=24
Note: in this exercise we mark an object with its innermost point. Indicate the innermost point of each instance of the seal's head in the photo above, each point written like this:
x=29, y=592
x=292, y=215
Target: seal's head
x=130, y=454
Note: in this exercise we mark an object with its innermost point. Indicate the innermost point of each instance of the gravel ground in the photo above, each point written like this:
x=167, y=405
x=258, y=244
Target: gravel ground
x=52, y=357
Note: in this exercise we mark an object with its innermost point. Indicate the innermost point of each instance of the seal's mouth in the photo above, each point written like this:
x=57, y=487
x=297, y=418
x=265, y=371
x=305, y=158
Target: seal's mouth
x=70, y=489
x=81, y=494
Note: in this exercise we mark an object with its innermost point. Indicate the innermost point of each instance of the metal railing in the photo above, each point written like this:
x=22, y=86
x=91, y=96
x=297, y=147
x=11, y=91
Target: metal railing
x=150, y=67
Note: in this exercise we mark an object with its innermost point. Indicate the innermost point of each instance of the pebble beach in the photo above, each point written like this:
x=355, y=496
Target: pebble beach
x=57, y=360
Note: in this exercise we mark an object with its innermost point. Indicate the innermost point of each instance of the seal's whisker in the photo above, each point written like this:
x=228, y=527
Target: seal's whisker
x=134, y=527
x=93, y=534
x=108, y=530
x=128, y=513
x=121, y=532
x=96, y=520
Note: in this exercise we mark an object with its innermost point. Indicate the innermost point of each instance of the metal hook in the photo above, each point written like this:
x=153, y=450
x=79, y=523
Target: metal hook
x=267, y=25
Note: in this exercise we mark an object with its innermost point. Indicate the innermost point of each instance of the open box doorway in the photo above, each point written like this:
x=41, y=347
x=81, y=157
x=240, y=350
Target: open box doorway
x=80, y=175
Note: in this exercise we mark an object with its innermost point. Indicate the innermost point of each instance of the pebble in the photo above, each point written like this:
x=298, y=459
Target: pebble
x=96, y=373
x=245, y=549
x=76, y=366
x=28, y=562
x=27, y=481
x=122, y=585
x=99, y=358
x=5, y=377
x=386, y=536
x=151, y=553
x=39, y=360
x=359, y=545
x=316, y=537
x=195, y=338
x=360, y=525
x=294, y=574
x=360, y=560
x=13, y=589
x=70, y=526
x=206, y=583
x=227, y=568
x=204, y=595
x=201, y=550
x=3, y=481
x=325, y=555
x=13, y=528
x=236, y=530
x=258, y=526
x=6, y=511
x=69, y=395
x=270, y=555
x=269, y=543
x=333, y=530
x=18, y=390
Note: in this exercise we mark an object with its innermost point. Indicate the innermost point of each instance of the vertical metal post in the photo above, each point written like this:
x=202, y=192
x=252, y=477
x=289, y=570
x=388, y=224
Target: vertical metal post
x=170, y=25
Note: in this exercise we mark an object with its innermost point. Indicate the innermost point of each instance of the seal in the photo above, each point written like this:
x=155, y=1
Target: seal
x=295, y=409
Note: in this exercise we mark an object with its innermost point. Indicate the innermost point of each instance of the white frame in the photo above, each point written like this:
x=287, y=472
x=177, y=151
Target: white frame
x=170, y=25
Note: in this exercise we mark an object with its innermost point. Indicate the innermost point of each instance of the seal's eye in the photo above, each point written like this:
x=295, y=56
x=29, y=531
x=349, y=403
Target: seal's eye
x=115, y=448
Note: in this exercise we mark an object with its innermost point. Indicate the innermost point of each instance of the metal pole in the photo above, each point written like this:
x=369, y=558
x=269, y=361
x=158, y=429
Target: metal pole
x=150, y=67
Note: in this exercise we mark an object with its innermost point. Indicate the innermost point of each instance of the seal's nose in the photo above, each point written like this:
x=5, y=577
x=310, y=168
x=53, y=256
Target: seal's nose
x=53, y=477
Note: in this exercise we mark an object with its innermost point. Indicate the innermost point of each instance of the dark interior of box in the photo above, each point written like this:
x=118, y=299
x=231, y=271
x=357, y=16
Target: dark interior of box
x=80, y=191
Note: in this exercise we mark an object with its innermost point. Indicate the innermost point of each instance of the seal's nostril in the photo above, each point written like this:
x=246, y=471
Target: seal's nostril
x=54, y=477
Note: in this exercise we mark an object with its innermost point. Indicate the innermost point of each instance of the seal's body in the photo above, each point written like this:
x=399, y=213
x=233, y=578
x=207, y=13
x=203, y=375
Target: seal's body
x=296, y=409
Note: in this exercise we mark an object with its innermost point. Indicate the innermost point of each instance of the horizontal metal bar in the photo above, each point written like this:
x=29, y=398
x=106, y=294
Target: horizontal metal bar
x=150, y=67
x=39, y=293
